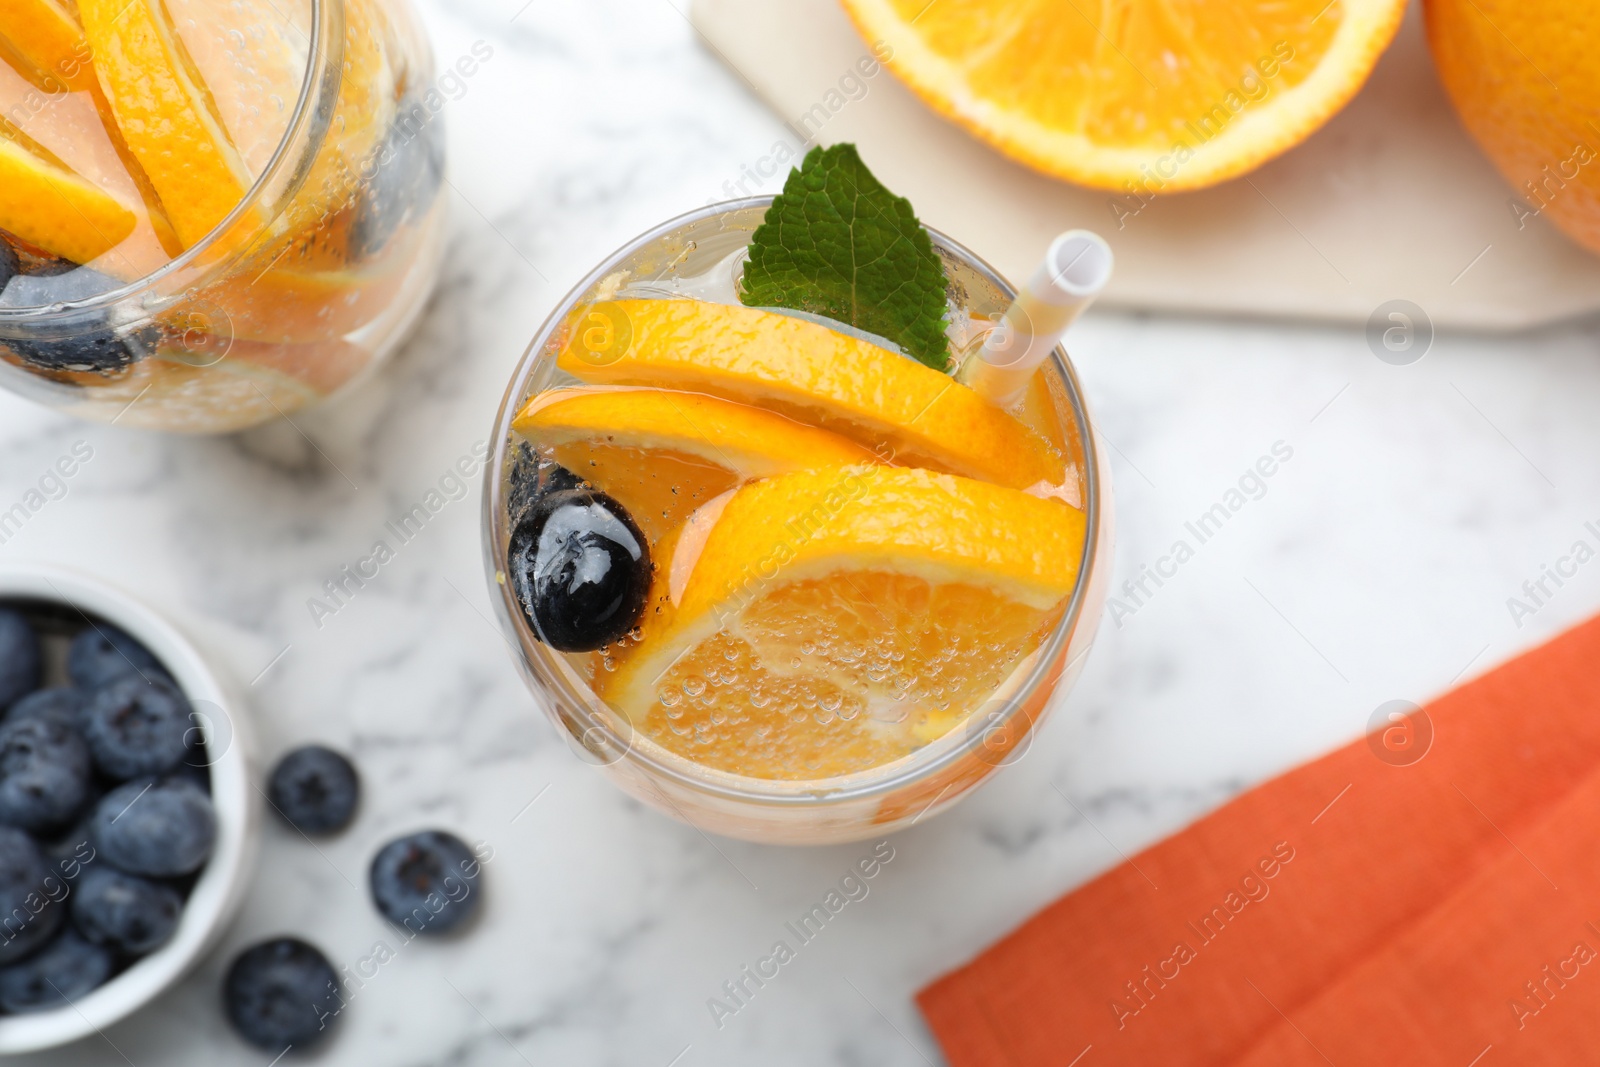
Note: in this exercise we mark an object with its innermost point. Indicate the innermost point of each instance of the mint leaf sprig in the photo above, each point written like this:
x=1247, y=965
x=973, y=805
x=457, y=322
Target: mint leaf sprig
x=837, y=243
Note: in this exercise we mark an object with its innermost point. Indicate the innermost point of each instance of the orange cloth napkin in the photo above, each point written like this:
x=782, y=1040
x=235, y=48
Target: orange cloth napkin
x=1349, y=912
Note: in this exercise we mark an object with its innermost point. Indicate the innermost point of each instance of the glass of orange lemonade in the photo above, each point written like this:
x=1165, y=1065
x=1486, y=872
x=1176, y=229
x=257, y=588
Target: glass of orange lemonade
x=781, y=580
x=212, y=212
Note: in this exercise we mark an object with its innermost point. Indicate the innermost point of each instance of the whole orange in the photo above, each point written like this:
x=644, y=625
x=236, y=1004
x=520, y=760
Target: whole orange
x=1525, y=78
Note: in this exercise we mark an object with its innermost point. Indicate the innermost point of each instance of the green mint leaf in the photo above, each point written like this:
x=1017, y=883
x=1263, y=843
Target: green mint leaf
x=835, y=242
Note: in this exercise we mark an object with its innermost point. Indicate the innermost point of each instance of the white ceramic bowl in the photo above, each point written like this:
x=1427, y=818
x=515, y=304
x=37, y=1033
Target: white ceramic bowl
x=220, y=888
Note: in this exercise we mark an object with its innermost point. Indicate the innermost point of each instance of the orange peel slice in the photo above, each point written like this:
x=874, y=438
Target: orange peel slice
x=815, y=374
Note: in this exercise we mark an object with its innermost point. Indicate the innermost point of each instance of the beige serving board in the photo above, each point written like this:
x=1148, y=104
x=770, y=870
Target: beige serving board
x=1390, y=200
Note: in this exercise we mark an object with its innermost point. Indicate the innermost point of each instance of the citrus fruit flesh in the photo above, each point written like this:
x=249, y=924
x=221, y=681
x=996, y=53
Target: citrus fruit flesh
x=1524, y=80
x=835, y=620
x=1143, y=96
x=48, y=205
x=663, y=454
x=917, y=416
x=43, y=38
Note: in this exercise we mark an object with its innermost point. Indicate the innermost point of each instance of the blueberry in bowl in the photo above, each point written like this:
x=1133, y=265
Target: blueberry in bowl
x=62, y=702
x=126, y=815
x=129, y=915
x=68, y=968
x=137, y=727
x=44, y=773
x=160, y=828
x=33, y=913
x=19, y=657
x=99, y=654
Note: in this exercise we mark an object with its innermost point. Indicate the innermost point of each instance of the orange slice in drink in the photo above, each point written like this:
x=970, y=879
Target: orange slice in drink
x=67, y=129
x=251, y=57
x=307, y=286
x=49, y=206
x=164, y=114
x=47, y=41
x=1141, y=96
x=362, y=114
x=662, y=454
x=837, y=619
x=812, y=373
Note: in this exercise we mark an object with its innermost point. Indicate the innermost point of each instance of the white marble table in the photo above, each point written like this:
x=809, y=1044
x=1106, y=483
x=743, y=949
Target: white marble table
x=1376, y=566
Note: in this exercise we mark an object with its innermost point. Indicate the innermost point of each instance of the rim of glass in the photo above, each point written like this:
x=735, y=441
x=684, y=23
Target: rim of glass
x=683, y=772
x=303, y=115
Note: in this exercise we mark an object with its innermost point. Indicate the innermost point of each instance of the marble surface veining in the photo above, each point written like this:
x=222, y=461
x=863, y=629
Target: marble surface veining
x=1375, y=564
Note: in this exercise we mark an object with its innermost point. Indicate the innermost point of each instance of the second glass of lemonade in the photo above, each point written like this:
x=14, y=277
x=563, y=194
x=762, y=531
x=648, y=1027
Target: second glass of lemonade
x=780, y=580
x=212, y=212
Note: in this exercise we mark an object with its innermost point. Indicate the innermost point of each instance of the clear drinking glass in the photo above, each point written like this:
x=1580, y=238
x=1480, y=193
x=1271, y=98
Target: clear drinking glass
x=308, y=283
x=671, y=261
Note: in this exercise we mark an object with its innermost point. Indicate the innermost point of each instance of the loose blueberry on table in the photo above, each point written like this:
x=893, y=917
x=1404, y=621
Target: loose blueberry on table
x=315, y=790
x=426, y=882
x=103, y=826
x=281, y=994
x=106, y=818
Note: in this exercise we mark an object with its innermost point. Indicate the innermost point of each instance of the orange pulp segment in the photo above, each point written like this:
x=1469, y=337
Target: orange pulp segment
x=1141, y=96
x=44, y=35
x=835, y=620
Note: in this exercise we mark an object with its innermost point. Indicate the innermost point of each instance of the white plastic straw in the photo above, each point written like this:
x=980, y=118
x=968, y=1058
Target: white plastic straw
x=1074, y=271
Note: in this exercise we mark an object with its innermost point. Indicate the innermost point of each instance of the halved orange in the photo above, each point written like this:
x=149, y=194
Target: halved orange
x=915, y=415
x=662, y=454
x=1140, y=96
x=838, y=619
x=165, y=114
x=48, y=205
